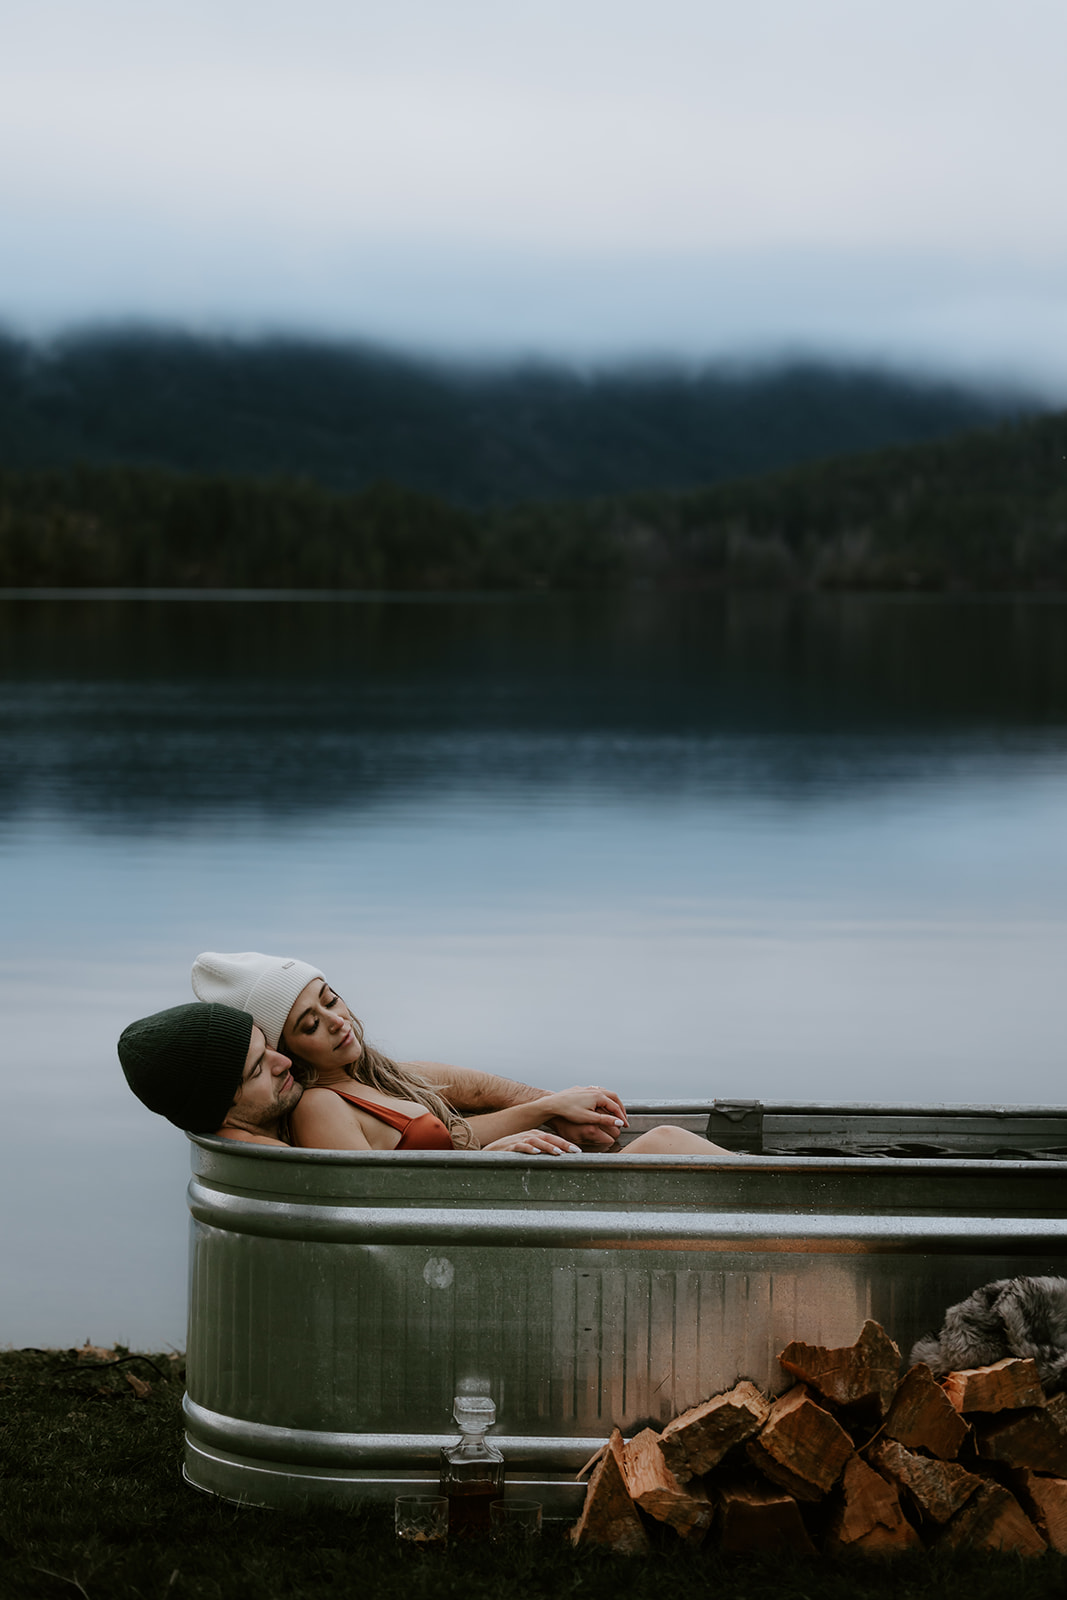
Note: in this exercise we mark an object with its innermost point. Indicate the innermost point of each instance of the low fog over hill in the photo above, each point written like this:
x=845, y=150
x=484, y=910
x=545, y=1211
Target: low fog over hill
x=349, y=416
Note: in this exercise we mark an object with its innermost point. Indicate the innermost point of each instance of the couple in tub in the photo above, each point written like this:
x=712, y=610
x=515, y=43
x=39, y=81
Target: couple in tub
x=271, y=1054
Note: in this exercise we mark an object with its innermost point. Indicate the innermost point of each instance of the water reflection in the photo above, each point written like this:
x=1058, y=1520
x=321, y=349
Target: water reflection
x=144, y=711
x=773, y=848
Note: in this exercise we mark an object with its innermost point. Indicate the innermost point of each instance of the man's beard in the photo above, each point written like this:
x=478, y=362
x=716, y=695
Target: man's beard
x=270, y=1118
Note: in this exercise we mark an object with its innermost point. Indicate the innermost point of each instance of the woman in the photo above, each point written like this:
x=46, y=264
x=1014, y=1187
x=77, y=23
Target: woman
x=356, y=1098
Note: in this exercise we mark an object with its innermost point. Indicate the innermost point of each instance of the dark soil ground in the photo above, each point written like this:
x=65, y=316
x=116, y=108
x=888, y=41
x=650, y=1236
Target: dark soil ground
x=93, y=1504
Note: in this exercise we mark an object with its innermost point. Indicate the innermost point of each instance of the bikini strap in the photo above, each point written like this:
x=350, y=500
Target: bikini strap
x=395, y=1119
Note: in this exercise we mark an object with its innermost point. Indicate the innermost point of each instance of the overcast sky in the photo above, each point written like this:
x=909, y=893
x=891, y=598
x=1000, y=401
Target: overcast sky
x=585, y=177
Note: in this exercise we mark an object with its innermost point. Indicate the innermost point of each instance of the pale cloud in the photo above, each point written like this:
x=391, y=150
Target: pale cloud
x=284, y=161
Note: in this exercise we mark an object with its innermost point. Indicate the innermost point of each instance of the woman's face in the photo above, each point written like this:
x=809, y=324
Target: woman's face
x=319, y=1028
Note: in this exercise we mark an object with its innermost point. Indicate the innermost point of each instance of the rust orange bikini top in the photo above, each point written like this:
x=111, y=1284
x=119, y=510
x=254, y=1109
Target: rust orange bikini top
x=424, y=1132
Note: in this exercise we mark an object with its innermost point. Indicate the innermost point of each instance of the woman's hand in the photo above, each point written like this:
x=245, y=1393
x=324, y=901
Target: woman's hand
x=534, y=1144
x=585, y=1134
x=594, y=1115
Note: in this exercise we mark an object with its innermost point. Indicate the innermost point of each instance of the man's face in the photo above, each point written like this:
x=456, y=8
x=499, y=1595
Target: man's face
x=268, y=1089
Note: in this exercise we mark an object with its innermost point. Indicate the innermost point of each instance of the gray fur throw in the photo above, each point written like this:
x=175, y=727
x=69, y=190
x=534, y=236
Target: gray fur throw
x=1013, y=1317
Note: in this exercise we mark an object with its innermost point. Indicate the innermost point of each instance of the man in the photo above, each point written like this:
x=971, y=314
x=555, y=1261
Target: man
x=208, y=1068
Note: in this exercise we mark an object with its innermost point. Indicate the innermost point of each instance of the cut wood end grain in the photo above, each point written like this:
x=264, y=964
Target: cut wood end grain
x=869, y=1515
x=860, y=1374
x=761, y=1521
x=1024, y=1439
x=654, y=1487
x=921, y=1415
x=801, y=1446
x=697, y=1440
x=609, y=1517
x=937, y=1488
x=1004, y=1386
x=993, y=1519
x=1045, y=1502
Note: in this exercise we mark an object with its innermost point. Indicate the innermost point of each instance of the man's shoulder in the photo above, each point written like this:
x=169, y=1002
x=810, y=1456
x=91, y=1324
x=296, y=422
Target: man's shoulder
x=239, y=1136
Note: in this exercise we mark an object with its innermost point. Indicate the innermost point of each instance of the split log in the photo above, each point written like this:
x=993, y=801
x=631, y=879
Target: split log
x=697, y=1440
x=1025, y=1439
x=591, y=1463
x=1056, y=1408
x=1005, y=1386
x=609, y=1517
x=993, y=1519
x=759, y=1521
x=653, y=1487
x=922, y=1416
x=869, y=1517
x=938, y=1488
x=800, y=1446
x=1045, y=1502
x=860, y=1374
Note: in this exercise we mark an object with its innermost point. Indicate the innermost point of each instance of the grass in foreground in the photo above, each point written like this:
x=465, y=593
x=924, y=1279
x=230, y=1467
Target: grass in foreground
x=93, y=1504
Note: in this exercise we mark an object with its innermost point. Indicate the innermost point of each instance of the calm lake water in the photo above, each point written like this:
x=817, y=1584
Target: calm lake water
x=783, y=849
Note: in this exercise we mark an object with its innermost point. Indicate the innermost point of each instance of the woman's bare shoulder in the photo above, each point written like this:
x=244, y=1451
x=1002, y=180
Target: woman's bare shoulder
x=321, y=1119
x=321, y=1102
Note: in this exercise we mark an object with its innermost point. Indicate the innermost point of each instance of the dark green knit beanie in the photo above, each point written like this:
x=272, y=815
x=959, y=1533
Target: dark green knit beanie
x=187, y=1063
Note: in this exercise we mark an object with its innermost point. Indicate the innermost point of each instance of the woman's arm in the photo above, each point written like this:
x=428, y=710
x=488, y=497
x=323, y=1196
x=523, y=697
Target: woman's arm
x=321, y=1120
x=471, y=1091
x=534, y=1143
x=588, y=1108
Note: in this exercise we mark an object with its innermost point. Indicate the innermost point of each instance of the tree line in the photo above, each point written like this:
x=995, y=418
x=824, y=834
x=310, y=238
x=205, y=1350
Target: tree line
x=984, y=510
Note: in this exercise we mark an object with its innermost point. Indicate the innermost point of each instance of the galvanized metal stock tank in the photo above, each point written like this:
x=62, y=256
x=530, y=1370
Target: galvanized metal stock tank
x=338, y=1300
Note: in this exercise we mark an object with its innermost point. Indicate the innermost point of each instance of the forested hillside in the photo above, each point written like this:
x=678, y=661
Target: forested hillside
x=348, y=417
x=986, y=510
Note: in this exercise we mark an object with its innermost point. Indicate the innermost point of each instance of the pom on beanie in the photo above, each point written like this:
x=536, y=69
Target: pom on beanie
x=187, y=1063
x=266, y=986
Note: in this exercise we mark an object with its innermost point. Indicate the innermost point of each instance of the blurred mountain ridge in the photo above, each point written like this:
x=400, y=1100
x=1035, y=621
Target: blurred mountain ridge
x=346, y=417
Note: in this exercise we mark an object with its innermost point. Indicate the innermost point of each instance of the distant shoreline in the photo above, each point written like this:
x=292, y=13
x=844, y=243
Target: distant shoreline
x=982, y=512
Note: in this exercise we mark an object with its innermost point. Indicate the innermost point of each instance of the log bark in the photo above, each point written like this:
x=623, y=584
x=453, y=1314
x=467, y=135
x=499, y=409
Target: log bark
x=609, y=1517
x=761, y=1521
x=591, y=1463
x=869, y=1516
x=993, y=1519
x=938, y=1488
x=697, y=1440
x=653, y=1486
x=1056, y=1407
x=801, y=1446
x=1045, y=1502
x=860, y=1374
x=1025, y=1439
x=1005, y=1386
x=922, y=1416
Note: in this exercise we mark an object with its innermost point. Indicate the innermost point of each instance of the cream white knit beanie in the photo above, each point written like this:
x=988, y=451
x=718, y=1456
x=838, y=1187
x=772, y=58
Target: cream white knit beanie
x=264, y=985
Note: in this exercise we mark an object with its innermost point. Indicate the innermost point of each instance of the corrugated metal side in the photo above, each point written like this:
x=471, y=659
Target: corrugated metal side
x=336, y=1306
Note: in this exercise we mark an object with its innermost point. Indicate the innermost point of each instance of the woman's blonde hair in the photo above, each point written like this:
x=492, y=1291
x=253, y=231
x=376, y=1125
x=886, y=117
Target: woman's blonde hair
x=380, y=1072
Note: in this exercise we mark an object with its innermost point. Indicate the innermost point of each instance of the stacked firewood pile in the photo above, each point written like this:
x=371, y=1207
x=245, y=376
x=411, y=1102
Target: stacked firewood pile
x=853, y=1457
